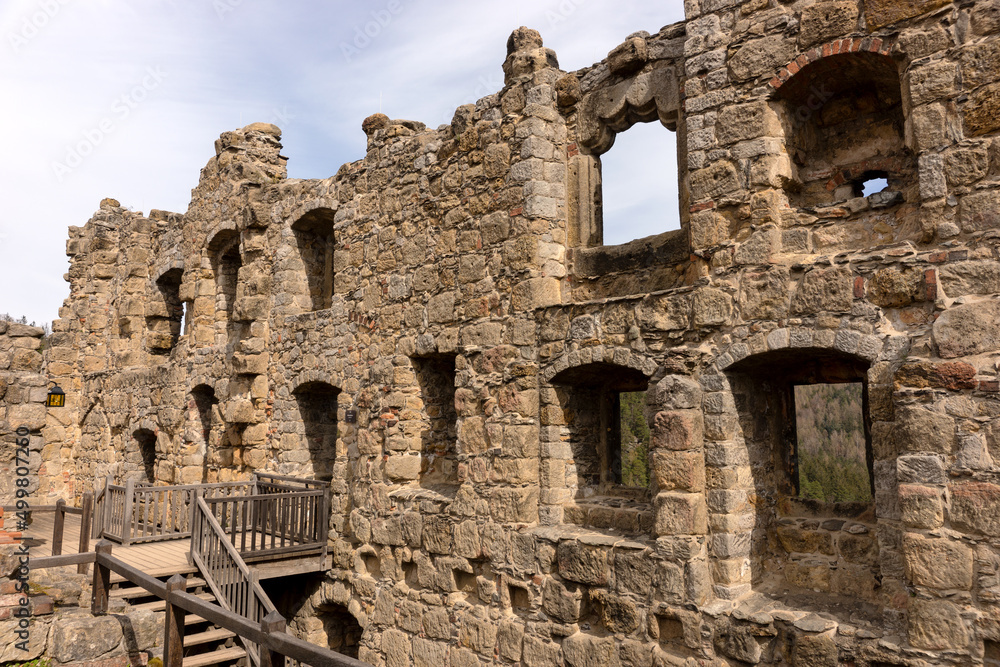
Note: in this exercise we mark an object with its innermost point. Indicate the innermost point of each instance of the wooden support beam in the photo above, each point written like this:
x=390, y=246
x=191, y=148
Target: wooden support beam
x=273, y=622
x=102, y=581
x=57, y=530
x=173, y=624
x=87, y=509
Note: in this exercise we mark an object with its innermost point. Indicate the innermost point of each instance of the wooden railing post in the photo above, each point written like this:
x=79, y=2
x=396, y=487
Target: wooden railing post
x=57, y=530
x=128, y=512
x=105, y=510
x=102, y=580
x=173, y=625
x=87, y=509
x=273, y=622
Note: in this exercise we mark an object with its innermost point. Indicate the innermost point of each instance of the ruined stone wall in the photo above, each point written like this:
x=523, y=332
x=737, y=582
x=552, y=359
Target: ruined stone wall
x=22, y=411
x=437, y=330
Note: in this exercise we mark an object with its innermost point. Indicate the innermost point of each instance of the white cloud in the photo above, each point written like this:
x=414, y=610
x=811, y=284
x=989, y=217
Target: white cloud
x=65, y=64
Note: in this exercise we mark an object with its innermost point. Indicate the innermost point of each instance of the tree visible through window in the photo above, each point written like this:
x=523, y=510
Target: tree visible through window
x=634, y=439
x=832, y=458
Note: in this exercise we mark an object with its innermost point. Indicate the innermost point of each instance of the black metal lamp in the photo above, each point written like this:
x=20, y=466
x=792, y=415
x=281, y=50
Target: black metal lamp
x=56, y=397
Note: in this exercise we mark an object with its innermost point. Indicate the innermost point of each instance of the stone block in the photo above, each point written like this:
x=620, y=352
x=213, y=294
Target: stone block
x=678, y=470
x=85, y=639
x=982, y=110
x=940, y=563
x=823, y=21
x=536, y=293
x=582, y=563
x=880, y=13
x=741, y=122
x=564, y=602
x=677, y=430
x=968, y=329
x=585, y=650
x=717, y=180
x=936, y=625
x=763, y=56
x=681, y=514
x=920, y=506
x=975, y=506
x=764, y=294
x=922, y=430
x=830, y=290
x=980, y=211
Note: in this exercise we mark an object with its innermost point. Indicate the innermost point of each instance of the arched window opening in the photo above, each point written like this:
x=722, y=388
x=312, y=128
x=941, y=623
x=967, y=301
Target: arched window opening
x=843, y=117
x=317, y=403
x=638, y=192
x=226, y=261
x=168, y=313
x=142, y=454
x=311, y=616
x=805, y=423
x=438, y=432
x=598, y=410
x=314, y=237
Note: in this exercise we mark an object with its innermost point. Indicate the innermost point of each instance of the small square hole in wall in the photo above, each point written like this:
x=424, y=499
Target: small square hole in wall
x=991, y=656
x=671, y=630
x=466, y=582
x=373, y=566
x=410, y=575
x=519, y=598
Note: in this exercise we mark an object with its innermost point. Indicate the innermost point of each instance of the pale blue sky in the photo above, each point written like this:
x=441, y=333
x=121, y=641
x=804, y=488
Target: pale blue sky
x=144, y=87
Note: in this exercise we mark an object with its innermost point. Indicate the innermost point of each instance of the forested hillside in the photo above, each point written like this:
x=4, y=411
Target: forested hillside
x=831, y=443
x=634, y=439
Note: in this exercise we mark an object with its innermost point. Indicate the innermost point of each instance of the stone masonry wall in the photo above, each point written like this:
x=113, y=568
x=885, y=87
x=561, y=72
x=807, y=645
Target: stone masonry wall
x=22, y=407
x=436, y=330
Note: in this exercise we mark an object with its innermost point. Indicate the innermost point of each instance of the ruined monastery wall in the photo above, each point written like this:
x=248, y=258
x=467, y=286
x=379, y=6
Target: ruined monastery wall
x=439, y=331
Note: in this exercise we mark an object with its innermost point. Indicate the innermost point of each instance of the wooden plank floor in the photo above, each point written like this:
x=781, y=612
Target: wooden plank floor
x=157, y=559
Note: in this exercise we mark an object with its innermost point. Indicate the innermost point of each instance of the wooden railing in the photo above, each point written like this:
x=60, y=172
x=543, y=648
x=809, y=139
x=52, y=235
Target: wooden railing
x=274, y=524
x=234, y=585
x=269, y=634
x=136, y=513
x=85, y=511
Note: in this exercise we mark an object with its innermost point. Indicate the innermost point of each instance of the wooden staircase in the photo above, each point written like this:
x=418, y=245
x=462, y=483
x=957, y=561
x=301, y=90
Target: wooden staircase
x=204, y=643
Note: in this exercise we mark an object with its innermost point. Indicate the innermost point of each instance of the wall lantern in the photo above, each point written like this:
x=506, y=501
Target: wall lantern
x=56, y=397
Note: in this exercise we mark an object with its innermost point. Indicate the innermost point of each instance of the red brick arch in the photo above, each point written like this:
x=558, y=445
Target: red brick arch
x=875, y=45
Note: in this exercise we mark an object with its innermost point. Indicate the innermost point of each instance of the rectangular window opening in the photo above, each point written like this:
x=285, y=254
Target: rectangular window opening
x=832, y=452
x=629, y=451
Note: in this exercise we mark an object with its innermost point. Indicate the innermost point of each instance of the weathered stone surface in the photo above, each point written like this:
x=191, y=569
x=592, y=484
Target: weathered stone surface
x=87, y=638
x=936, y=624
x=937, y=562
x=970, y=277
x=761, y=56
x=892, y=288
x=879, y=13
x=826, y=20
x=830, y=290
x=967, y=329
x=581, y=563
x=922, y=430
x=975, y=506
x=764, y=295
x=982, y=109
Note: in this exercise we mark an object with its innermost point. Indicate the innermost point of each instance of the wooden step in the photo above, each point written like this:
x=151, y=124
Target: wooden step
x=160, y=605
x=219, y=635
x=138, y=592
x=215, y=657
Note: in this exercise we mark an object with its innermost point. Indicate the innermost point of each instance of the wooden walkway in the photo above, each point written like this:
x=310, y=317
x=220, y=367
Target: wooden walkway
x=157, y=559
